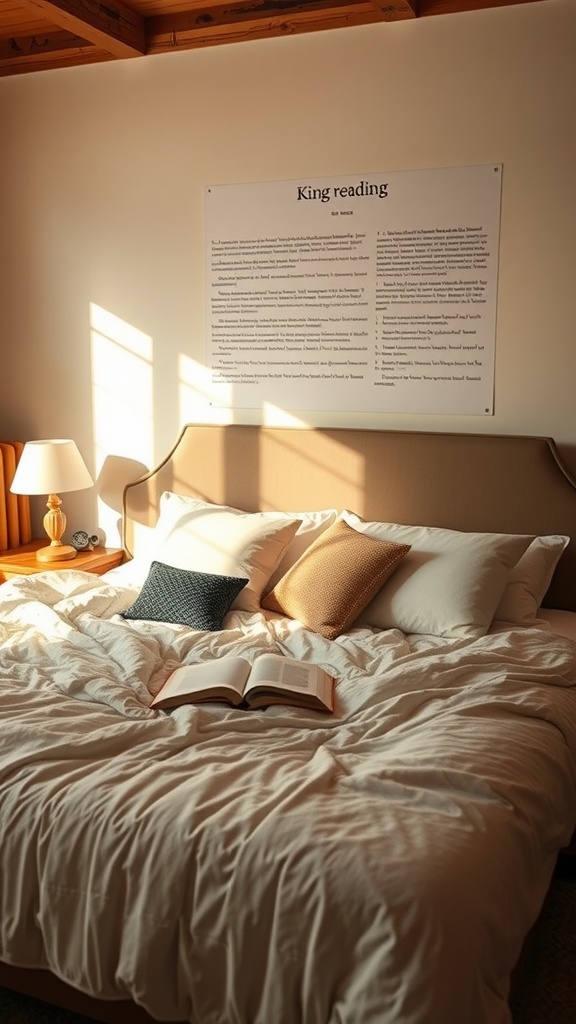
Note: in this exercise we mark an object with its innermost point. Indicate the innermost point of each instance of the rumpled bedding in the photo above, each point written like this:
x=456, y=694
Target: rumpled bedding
x=382, y=864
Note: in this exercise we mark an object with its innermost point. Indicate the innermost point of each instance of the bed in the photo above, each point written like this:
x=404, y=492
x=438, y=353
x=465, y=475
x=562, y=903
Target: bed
x=219, y=866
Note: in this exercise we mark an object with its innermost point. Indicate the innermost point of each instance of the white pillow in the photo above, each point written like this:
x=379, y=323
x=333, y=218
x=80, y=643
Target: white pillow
x=195, y=534
x=530, y=579
x=312, y=524
x=449, y=584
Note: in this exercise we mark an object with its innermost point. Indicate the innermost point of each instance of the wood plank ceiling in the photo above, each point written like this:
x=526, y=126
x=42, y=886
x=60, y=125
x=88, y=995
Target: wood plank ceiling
x=37, y=35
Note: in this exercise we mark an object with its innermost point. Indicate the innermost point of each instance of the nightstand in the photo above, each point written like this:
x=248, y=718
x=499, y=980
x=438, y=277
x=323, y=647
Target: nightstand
x=22, y=561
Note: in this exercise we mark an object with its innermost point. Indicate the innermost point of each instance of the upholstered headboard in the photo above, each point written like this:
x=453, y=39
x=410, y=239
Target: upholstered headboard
x=479, y=482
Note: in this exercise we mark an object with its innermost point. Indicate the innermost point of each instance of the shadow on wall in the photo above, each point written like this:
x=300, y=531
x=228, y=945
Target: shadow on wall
x=115, y=474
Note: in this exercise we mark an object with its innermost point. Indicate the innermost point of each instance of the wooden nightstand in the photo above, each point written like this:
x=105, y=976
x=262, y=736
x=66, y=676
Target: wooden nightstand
x=23, y=562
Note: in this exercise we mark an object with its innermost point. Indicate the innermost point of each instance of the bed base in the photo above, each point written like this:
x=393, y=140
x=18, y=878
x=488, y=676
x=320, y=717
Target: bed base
x=41, y=984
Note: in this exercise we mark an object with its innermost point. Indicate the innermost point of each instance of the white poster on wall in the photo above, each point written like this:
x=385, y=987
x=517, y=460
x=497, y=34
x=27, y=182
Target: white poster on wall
x=373, y=292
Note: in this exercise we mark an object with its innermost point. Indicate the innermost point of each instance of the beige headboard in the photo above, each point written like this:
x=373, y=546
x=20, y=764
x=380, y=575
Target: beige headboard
x=480, y=482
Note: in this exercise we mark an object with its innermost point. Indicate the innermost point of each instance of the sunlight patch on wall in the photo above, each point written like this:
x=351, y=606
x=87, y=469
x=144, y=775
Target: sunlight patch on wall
x=122, y=399
x=195, y=395
x=197, y=404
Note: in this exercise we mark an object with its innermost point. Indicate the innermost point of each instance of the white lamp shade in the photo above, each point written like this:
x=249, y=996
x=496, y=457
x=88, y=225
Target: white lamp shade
x=52, y=466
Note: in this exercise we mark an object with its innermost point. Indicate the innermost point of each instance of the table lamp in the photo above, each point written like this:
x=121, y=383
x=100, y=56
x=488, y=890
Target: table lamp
x=48, y=467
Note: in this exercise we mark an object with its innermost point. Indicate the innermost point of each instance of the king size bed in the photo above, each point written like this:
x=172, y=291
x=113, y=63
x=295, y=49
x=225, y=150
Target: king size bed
x=382, y=864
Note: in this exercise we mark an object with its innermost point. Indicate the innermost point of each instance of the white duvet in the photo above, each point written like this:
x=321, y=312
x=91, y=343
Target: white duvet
x=378, y=866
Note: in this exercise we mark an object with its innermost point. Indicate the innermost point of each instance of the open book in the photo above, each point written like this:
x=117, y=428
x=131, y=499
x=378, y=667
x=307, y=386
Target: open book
x=272, y=679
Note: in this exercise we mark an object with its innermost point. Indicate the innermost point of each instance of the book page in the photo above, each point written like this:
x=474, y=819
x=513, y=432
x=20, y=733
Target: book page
x=219, y=674
x=292, y=682
x=290, y=674
x=282, y=672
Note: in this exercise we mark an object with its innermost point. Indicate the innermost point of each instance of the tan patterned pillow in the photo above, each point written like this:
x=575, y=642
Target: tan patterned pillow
x=336, y=577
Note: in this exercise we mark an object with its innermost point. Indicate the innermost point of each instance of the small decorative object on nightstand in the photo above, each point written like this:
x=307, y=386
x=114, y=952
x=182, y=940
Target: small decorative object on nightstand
x=23, y=562
x=83, y=542
x=47, y=467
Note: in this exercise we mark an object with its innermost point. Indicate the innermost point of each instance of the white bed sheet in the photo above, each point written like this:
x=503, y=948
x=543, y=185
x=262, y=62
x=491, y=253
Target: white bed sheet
x=215, y=865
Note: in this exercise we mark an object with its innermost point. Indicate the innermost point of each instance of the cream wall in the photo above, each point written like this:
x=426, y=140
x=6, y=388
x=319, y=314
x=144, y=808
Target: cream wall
x=102, y=172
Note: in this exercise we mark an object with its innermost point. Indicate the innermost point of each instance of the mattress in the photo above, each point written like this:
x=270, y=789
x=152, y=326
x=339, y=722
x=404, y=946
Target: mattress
x=213, y=864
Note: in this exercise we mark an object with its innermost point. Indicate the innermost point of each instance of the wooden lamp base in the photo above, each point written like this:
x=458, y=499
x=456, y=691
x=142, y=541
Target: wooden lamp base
x=55, y=524
x=56, y=553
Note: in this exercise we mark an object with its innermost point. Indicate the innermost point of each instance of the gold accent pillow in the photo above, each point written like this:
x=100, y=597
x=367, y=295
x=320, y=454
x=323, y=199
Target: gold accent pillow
x=336, y=577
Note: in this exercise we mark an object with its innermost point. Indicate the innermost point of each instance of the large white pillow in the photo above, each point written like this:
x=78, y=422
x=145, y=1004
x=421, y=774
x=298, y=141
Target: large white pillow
x=449, y=584
x=197, y=535
x=530, y=579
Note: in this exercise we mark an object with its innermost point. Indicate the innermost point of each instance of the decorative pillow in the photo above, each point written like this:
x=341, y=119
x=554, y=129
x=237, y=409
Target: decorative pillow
x=224, y=541
x=530, y=579
x=330, y=584
x=195, y=599
x=312, y=524
x=450, y=583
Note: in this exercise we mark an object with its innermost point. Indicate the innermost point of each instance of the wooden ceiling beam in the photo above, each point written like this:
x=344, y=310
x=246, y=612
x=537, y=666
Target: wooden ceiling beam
x=108, y=24
x=240, y=20
x=205, y=24
x=36, y=47
x=430, y=7
x=395, y=10
x=73, y=32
